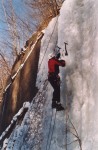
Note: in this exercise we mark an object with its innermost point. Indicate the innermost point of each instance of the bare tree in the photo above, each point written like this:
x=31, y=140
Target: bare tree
x=11, y=23
x=43, y=10
x=15, y=33
x=4, y=72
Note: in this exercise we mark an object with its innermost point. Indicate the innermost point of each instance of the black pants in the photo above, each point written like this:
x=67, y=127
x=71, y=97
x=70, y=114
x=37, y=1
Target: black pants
x=55, y=82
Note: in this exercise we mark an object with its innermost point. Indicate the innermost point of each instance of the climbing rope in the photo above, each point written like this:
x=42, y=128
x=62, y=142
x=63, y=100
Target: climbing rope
x=49, y=135
x=68, y=120
x=51, y=129
x=48, y=44
x=66, y=112
x=40, y=102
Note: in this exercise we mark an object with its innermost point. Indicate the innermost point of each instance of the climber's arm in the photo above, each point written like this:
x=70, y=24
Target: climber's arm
x=61, y=63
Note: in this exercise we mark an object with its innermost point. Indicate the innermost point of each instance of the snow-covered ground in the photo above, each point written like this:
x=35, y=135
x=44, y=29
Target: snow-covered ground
x=77, y=24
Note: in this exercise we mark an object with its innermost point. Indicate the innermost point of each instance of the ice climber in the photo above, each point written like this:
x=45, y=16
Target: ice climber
x=54, y=79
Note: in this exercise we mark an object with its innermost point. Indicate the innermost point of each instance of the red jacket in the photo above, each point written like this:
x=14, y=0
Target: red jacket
x=53, y=65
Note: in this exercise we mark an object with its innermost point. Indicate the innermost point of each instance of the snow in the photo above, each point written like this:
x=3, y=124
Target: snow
x=5, y=144
x=15, y=118
x=77, y=25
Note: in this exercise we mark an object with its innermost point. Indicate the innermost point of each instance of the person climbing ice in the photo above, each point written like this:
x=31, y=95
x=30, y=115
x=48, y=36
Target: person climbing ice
x=54, y=79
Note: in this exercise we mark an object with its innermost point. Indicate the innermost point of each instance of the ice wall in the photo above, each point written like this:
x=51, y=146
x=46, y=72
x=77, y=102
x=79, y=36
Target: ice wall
x=78, y=25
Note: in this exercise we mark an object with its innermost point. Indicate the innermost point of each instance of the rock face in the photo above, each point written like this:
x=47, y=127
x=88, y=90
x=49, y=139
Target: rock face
x=23, y=87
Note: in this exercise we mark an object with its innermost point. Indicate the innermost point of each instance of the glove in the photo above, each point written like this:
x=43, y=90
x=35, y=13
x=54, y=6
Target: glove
x=62, y=62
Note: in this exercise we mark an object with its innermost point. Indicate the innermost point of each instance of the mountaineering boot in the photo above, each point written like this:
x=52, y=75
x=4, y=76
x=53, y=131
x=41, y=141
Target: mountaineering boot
x=59, y=107
x=54, y=104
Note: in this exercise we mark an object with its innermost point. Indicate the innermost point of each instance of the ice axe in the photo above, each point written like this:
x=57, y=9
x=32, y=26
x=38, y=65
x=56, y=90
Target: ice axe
x=58, y=47
x=66, y=53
